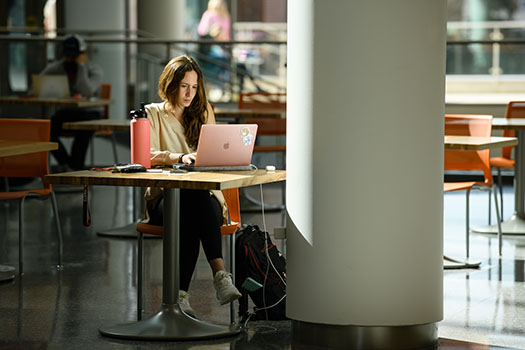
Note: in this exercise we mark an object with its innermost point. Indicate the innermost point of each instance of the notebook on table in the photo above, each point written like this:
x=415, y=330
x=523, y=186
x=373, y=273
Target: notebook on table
x=223, y=147
x=50, y=86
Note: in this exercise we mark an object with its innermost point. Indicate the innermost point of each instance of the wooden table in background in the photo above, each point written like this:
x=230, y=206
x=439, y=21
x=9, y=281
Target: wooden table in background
x=474, y=143
x=60, y=102
x=99, y=125
x=15, y=147
x=123, y=124
x=236, y=114
x=170, y=323
x=46, y=103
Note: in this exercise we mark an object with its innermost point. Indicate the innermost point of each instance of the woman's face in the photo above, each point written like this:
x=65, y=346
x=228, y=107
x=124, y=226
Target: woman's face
x=187, y=89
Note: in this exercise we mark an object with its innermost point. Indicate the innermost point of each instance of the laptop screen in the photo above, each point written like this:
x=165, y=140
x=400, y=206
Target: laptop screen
x=50, y=86
x=225, y=145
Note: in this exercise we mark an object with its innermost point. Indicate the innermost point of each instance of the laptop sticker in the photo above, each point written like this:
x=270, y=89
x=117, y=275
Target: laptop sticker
x=247, y=136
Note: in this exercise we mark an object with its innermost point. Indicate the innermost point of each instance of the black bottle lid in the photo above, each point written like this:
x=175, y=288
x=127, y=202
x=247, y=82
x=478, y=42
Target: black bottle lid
x=140, y=113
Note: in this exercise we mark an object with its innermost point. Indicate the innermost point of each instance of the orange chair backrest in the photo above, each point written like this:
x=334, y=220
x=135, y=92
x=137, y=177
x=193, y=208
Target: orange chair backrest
x=515, y=109
x=263, y=100
x=105, y=94
x=28, y=165
x=469, y=125
x=232, y=202
x=268, y=126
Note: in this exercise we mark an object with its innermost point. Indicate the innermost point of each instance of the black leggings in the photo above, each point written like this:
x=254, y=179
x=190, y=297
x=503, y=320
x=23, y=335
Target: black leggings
x=200, y=221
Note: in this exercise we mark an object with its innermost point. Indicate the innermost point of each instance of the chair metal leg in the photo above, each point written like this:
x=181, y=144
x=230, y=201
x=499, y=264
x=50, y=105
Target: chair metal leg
x=114, y=144
x=500, y=184
x=21, y=236
x=140, y=273
x=232, y=269
x=59, y=231
x=468, y=224
x=498, y=218
x=92, y=150
x=490, y=209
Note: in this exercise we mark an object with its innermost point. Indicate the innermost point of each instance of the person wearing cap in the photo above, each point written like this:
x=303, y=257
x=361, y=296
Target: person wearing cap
x=84, y=79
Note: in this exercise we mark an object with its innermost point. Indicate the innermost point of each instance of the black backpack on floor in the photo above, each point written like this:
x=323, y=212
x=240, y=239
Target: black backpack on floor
x=251, y=261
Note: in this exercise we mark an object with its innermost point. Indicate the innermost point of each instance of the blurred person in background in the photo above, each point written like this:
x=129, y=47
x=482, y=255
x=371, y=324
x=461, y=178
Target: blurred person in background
x=215, y=24
x=84, y=79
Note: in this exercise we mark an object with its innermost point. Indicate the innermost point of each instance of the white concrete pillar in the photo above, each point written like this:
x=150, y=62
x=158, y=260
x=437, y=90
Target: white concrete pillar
x=366, y=83
x=164, y=19
x=99, y=15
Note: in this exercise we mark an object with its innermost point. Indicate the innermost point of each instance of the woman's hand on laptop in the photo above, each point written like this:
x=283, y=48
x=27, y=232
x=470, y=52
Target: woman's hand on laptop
x=188, y=158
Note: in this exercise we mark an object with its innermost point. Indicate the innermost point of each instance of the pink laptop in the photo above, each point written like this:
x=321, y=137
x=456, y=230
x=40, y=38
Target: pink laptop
x=224, y=147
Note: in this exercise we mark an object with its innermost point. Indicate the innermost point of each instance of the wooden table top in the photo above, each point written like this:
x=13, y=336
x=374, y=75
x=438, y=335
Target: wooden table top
x=511, y=123
x=190, y=180
x=99, y=125
x=63, y=102
x=235, y=113
x=15, y=147
x=472, y=143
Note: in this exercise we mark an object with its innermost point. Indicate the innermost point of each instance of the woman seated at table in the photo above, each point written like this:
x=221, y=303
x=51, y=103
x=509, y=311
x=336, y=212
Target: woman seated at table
x=175, y=128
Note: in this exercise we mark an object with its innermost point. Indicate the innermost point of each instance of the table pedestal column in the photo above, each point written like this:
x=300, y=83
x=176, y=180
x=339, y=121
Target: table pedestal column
x=170, y=323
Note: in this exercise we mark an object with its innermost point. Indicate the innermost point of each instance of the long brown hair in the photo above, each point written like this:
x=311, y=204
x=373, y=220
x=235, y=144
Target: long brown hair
x=169, y=83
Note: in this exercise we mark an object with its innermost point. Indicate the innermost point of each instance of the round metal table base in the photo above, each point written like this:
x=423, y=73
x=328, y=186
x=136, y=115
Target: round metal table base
x=126, y=231
x=7, y=273
x=513, y=226
x=454, y=264
x=307, y=336
x=170, y=323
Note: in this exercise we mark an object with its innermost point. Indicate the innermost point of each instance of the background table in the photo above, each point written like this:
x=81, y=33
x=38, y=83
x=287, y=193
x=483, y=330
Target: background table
x=123, y=124
x=14, y=148
x=46, y=103
x=170, y=323
x=516, y=224
x=99, y=125
x=62, y=102
x=474, y=143
x=236, y=113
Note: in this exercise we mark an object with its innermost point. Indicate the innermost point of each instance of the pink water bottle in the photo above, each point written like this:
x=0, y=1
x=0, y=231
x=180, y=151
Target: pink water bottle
x=140, y=139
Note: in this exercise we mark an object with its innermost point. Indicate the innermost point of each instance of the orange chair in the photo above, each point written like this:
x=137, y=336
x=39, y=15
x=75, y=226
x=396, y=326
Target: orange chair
x=515, y=109
x=227, y=229
x=267, y=127
x=470, y=125
x=29, y=165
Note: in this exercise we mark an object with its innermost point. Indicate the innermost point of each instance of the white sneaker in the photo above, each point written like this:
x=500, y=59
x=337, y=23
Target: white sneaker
x=226, y=291
x=184, y=303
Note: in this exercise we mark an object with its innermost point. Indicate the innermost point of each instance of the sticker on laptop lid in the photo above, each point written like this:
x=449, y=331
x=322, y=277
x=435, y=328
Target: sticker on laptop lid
x=247, y=136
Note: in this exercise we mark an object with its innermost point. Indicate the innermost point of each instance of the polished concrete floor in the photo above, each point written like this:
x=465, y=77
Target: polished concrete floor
x=48, y=308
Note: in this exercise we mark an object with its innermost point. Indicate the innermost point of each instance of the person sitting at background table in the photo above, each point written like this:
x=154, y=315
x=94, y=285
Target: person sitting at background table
x=175, y=128
x=84, y=80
